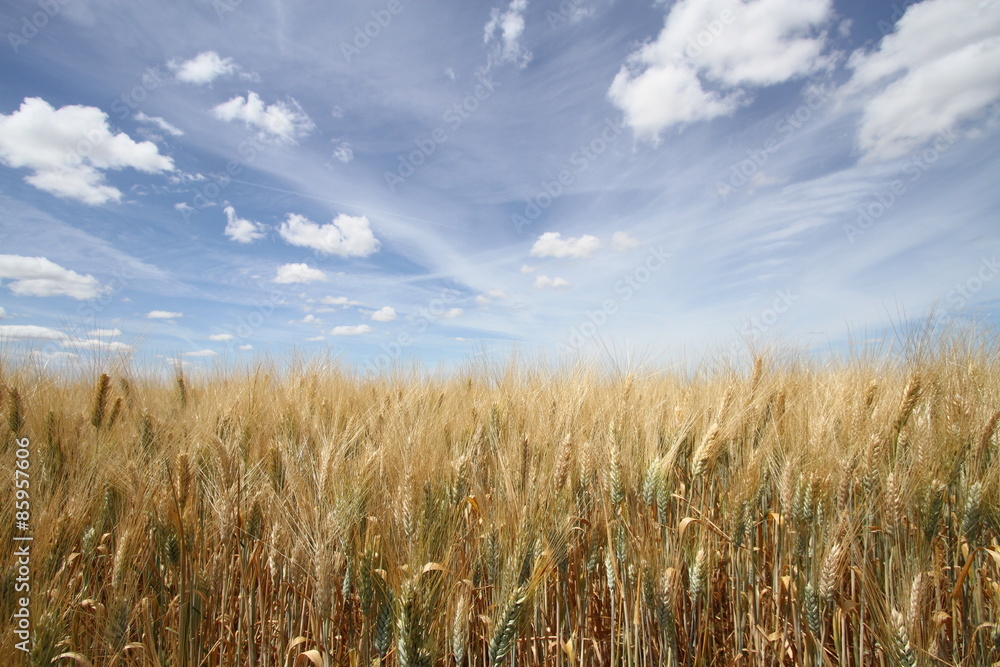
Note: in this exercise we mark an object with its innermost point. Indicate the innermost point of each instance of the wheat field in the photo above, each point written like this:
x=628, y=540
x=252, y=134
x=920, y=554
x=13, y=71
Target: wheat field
x=786, y=513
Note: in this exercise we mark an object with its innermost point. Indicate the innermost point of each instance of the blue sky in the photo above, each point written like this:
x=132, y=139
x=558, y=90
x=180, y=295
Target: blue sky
x=401, y=180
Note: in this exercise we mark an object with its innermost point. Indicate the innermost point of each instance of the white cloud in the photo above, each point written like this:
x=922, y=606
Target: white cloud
x=355, y=330
x=940, y=68
x=298, y=273
x=160, y=123
x=487, y=298
x=240, y=229
x=37, y=276
x=452, y=313
x=733, y=45
x=315, y=339
x=105, y=333
x=223, y=337
x=98, y=344
x=622, y=242
x=54, y=356
x=29, y=332
x=551, y=244
x=525, y=269
x=337, y=301
x=3, y=313
x=281, y=121
x=384, y=314
x=346, y=236
x=343, y=152
x=204, y=68
x=543, y=282
x=245, y=347
x=163, y=315
x=502, y=34
x=68, y=150
x=201, y=353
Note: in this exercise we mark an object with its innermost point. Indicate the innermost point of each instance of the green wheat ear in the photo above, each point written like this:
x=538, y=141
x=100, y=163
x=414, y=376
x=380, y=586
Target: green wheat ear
x=505, y=630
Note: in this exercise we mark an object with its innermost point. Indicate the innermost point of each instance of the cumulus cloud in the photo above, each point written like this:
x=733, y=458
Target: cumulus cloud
x=502, y=34
x=284, y=122
x=452, y=313
x=160, y=123
x=245, y=347
x=355, y=330
x=337, y=301
x=204, y=68
x=223, y=337
x=201, y=353
x=711, y=53
x=384, y=314
x=487, y=298
x=163, y=315
x=97, y=344
x=544, y=282
x=526, y=270
x=298, y=273
x=3, y=313
x=551, y=244
x=37, y=276
x=622, y=242
x=346, y=236
x=315, y=339
x=29, y=332
x=68, y=150
x=240, y=229
x=939, y=69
